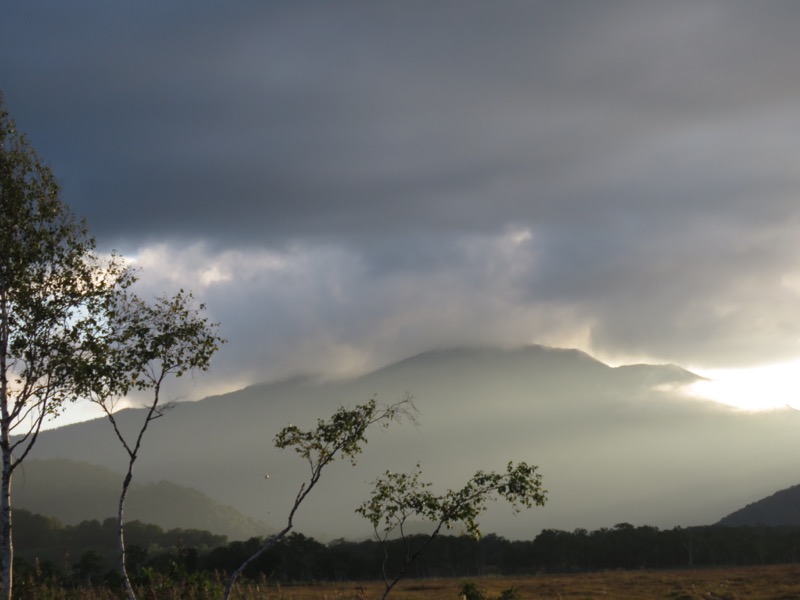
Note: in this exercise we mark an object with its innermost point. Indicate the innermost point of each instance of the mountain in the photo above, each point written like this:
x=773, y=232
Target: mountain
x=74, y=491
x=626, y=444
x=781, y=508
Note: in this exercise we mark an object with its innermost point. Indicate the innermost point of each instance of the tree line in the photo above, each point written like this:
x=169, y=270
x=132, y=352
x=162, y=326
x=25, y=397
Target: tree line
x=85, y=554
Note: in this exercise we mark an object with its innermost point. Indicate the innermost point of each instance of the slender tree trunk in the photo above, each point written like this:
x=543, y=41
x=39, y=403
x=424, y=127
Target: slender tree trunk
x=123, y=569
x=7, y=546
x=133, y=453
x=6, y=541
x=271, y=541
x=409, y=560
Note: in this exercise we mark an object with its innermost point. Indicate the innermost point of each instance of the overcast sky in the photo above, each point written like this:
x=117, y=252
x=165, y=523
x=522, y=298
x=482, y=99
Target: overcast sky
x=349, y=183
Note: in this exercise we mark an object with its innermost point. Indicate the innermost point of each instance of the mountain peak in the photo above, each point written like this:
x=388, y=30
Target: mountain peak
x=608, y=440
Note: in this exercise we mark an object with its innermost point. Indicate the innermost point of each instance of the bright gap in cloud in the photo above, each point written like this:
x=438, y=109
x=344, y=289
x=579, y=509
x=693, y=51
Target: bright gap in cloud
x=768, y=387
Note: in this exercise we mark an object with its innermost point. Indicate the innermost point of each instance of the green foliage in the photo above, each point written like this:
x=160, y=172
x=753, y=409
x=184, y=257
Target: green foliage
x=137, y=344
x=509, y=594
x=171, y=560
x=343, y=434
x=52, y=289
x=69, y=327
x=51, y=283
x=398, y=496
x=46, y=538
x=469, y=591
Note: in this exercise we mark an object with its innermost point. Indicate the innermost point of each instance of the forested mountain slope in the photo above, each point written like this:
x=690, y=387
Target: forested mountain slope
x=780, y=508
x=74, y=491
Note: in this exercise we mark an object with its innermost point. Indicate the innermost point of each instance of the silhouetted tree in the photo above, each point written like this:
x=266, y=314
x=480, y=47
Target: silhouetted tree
x=138, y=346
x=341, y=436
x=52, y=286
x=397, y=497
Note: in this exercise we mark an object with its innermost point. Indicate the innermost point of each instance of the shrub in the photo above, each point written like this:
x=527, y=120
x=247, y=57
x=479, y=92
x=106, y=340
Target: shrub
x=469, y=591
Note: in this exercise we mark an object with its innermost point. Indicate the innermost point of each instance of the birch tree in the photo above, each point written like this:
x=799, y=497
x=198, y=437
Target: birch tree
x=136, y=348
x=398, y=497
x=341, y=436
x=52, y=282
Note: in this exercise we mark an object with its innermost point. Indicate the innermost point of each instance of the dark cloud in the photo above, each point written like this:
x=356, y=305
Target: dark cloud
x=395, y=149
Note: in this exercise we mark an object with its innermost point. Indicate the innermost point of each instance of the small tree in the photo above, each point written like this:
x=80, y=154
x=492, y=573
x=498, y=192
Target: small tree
x=51, y=285
x=137, y=346
x=397, y=497
x=341, y=436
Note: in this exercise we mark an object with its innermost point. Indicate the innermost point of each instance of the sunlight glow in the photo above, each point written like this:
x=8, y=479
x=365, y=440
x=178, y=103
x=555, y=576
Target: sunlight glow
x=769, y=387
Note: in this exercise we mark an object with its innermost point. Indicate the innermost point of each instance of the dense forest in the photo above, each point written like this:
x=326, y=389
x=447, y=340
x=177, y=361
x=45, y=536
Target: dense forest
x=85, y=553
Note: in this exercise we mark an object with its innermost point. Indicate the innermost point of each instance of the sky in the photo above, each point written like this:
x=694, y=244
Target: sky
x=347, y=184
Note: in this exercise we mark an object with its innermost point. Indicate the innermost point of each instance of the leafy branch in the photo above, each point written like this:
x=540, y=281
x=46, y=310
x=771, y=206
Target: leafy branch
x=397, y=497
x=343, y=435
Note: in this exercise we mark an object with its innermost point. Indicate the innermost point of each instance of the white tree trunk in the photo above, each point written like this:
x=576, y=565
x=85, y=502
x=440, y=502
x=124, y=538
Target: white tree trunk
x=6, y=544
x=123, y=569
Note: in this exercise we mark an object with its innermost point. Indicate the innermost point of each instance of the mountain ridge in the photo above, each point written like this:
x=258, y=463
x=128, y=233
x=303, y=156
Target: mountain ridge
x=73, y=491
x=653, y=448
x=779, y=508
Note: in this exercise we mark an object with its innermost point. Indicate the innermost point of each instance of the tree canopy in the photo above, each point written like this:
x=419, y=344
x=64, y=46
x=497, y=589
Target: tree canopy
x=53, y=284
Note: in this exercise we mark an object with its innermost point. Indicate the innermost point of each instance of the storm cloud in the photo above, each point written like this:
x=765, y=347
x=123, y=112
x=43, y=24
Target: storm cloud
x=347, y=184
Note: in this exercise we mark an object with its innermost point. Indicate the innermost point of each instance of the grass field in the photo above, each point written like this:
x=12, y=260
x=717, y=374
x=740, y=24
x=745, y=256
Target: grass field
x=741, y=583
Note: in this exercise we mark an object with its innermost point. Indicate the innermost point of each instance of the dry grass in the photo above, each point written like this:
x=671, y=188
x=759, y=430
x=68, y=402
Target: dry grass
x=741, y=583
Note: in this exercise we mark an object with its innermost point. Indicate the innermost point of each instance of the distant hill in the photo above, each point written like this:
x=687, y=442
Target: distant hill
x=781, y=508
x=73, y=491
x=626, y=444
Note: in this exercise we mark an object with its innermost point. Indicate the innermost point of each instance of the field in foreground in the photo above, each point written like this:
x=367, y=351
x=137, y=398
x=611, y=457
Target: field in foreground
x=740, y=583
x=780, y=582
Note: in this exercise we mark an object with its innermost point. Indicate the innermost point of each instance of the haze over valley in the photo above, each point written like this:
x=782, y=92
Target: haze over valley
x=626, y=444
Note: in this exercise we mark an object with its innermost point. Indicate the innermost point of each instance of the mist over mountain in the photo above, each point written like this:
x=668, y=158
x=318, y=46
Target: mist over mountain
x=74, y=491
x=624, y=444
